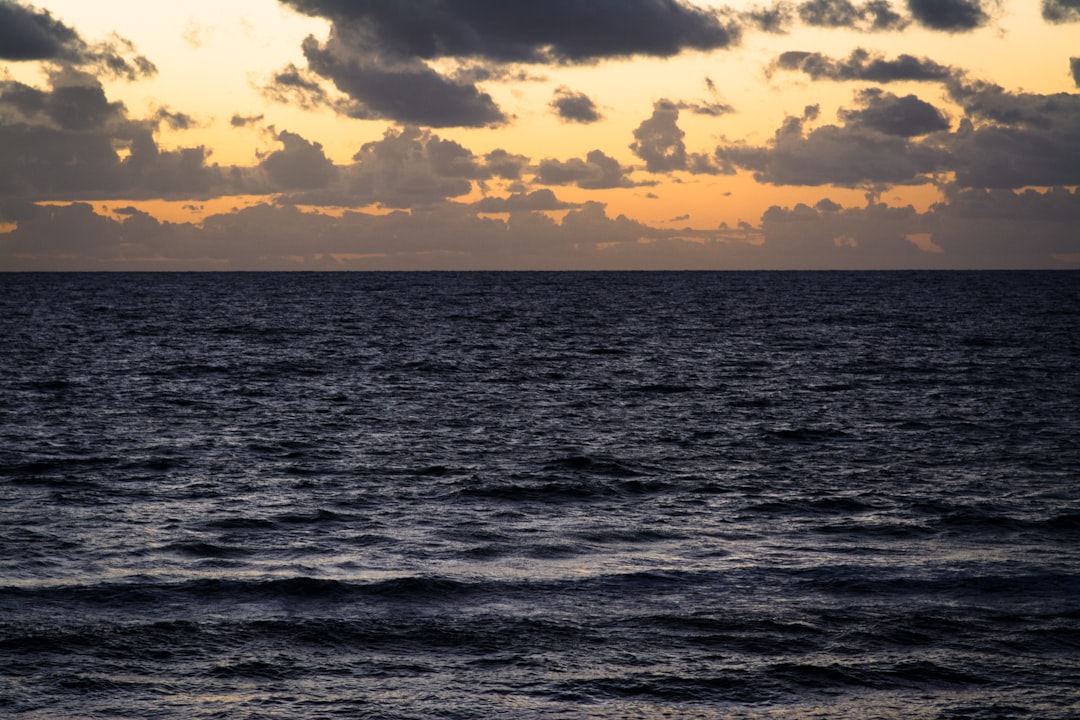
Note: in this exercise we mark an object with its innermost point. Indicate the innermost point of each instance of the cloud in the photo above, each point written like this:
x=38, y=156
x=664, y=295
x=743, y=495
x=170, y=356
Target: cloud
x=855, y=154
x=406, y=91
x=1061, y=11
x=1013, y=140
x=543, y=199
x=378, y=53
x=658, y=141
x=29, y=34
x=906, y=116
x=408, y=168
x=175, y=120
x=506, y=165
x=238, y=120
x=299, y=164
x=76, y=102
x=978, y=229
x=872, y=16
x=531, y=32
x=596, y=172
x=1003, y=140
x=775, y=19
x=71, y=141
x=293, y=86
x=1074, y=67
x=972, y=229
x=864, y=65
x=1004, y=228
x=949, y=15
x=573, y=106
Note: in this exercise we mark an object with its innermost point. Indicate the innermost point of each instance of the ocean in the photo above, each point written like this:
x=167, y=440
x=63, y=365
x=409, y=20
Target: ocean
x=540, y=495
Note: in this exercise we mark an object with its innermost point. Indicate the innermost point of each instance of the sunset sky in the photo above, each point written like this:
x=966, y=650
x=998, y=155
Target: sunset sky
x=568, y=134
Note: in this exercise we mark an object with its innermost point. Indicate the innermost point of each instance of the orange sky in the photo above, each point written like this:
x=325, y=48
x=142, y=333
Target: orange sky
x=688, y=116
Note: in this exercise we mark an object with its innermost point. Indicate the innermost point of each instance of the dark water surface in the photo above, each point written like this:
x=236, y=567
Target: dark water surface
x=689, y=495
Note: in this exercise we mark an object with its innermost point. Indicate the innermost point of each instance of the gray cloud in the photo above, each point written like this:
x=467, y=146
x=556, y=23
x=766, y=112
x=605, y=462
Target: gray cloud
x=403, y=91
x=864, y=65
x=1004, y=140
x=68, y=140
x=906, y=116
x=293, y=86
x=1074, y=67
x=775, y=19
x=27, y=33
x=573, y=106
x=175, y=120
x=537, y=200
x=299, y=164
x=1061, y=11
x=533, y=32
x=408, y=168
x=596, y=172
x=852, y=155
x=658, y=140
x=949, y=15
x=238, y=120
x=973, y=229
x=1012, y=140
x=872, y=16
x=506, y=165
x=376, y=51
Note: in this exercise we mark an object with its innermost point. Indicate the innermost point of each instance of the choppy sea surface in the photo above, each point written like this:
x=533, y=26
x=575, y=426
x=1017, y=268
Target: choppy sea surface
x=564, y=495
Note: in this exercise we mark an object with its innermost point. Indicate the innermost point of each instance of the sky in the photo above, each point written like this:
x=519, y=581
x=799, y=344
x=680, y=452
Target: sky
x=566, y=134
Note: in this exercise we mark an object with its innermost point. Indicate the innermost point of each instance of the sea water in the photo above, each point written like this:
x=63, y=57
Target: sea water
x=559, y=495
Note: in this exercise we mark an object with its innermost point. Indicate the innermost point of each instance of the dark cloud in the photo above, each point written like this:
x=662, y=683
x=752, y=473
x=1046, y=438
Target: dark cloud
x=829, y=236
x=70, y=140
x=410, y=167
x=505, y=165
x=573, y=106
x=864, y=65
x=996, y=156
x=565, y=30
x=906, y=116
x=1061, y=11
x=596, y=172
x=976, y=229
x=658, y=141
x=1004, y=140
x=712, y=109
x=76, y=102
x=537, y=200
x=403, y=91
x=377, y=51
x=299, y=164
x=851, y=155
x=175, y=120
x=775, y=19
x=238, y=120
x=1013, y=140
x=293, y=86
x=973, y=229
x=949, y=15
x=872, y=16
x=1074, y=67
x=27, y=33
